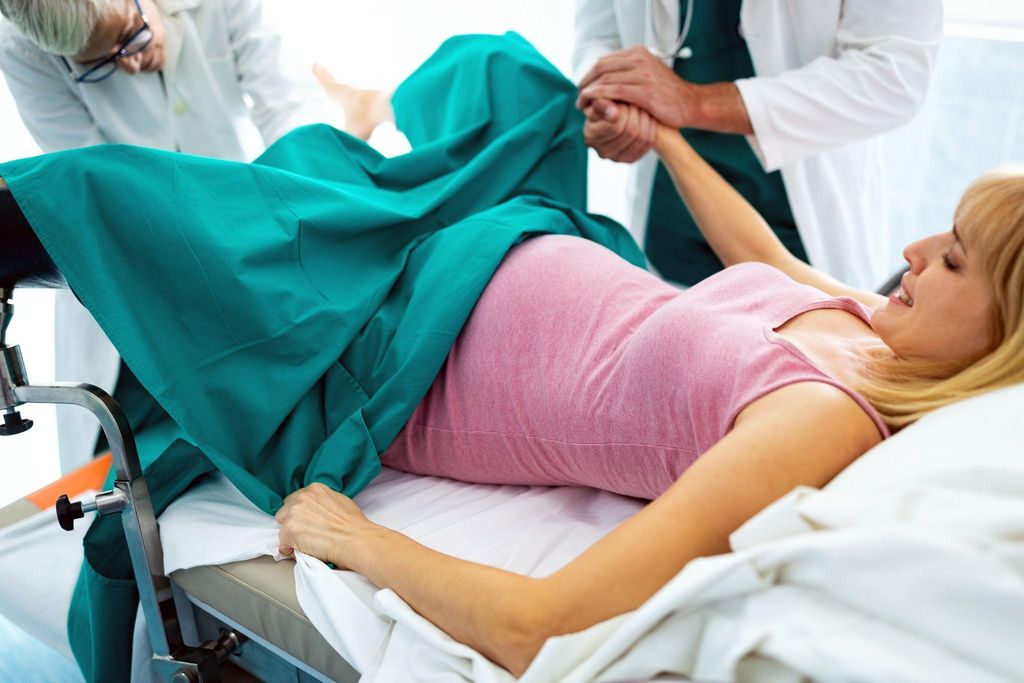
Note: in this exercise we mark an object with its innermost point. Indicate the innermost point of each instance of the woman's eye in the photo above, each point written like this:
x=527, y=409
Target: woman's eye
x=950, y=265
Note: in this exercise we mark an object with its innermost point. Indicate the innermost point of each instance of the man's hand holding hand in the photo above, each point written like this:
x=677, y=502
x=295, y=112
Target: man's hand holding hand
x=637, y=77
x=617, y=131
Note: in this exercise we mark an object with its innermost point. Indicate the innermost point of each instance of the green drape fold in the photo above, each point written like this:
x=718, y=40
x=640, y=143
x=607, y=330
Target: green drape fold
x=288, y=315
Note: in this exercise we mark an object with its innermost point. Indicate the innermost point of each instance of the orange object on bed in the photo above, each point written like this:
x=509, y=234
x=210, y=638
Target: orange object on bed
x=86, y=478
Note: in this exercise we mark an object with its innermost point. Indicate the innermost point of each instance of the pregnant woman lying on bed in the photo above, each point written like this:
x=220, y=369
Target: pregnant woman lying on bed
x=577, y=368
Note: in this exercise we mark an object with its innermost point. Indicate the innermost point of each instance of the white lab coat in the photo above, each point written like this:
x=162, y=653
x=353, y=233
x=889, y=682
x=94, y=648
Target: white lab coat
x=830, y=75
x=219, y=52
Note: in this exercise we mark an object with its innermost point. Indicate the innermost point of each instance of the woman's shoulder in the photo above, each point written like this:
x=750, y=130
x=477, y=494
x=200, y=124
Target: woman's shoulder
x=816, y=407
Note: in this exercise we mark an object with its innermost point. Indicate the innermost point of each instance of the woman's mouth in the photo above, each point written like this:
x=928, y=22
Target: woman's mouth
x=901, y=297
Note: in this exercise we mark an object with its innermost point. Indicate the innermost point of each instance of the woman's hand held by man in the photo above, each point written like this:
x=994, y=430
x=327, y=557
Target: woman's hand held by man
x=637, y=77
x=619, y=132
x=627, y=87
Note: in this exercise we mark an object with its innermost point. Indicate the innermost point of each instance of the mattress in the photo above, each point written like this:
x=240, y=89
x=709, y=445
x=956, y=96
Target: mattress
x=220, y=549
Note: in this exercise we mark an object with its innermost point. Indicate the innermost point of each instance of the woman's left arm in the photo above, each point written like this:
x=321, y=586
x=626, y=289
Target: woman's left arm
x=803, y=434
x=732, y=227
x=500, y=614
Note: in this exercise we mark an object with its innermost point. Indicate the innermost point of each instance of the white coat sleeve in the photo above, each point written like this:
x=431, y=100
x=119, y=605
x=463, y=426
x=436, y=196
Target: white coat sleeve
x=876, y=81
x=281, y=102
x=597, y=34
x=53, y=114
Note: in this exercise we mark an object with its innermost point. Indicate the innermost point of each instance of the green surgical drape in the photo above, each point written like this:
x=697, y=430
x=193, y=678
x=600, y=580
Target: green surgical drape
x=289, y=314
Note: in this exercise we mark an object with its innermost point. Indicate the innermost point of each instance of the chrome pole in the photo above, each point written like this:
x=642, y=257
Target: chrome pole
x=130, y=497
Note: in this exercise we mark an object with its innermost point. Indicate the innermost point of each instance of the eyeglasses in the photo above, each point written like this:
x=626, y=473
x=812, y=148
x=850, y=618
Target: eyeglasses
x=135, y=44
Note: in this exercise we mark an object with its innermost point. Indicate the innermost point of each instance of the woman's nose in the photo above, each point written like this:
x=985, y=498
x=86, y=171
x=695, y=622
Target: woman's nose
x=922, y=252
x=913, y=254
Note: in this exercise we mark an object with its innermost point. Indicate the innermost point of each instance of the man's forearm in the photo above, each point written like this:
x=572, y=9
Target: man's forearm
x=717, y=107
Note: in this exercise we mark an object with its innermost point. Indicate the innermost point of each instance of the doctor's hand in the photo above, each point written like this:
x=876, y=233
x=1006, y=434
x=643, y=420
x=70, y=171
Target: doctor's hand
x=321, y=522
x=619, y=132
x=637, y=77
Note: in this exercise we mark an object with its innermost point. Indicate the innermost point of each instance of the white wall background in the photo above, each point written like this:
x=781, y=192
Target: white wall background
x=974, y=120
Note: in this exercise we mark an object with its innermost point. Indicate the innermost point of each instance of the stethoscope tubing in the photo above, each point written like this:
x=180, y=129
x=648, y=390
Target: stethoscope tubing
x=678, y=47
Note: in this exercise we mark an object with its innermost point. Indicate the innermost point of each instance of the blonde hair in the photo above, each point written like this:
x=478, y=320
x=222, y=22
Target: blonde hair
x=990, y=217
x=60, y=27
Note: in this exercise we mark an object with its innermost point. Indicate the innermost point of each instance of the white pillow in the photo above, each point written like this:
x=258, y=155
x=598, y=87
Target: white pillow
x=959, y=471
x=959, y=446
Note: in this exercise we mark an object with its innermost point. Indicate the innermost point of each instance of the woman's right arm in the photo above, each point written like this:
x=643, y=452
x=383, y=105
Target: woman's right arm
x=802, y=434
x=732, y=227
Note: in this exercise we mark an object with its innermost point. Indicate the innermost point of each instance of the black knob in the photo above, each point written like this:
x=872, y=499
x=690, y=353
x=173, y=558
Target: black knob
x=68, y=512
x=13, y=424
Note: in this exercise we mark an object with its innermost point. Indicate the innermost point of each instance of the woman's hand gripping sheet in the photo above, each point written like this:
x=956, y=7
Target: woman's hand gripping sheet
x=321, y=522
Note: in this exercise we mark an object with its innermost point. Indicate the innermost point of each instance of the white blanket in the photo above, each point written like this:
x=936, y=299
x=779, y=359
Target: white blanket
x=907, y=567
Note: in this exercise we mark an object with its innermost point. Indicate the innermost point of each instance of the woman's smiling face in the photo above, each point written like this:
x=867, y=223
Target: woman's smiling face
x=944, y=309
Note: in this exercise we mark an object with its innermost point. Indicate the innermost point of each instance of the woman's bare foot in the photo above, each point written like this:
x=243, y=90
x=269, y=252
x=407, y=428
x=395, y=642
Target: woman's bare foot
x=364, y=109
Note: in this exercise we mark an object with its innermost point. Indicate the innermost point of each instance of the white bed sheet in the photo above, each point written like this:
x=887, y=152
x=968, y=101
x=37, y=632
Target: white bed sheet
x=529, y=530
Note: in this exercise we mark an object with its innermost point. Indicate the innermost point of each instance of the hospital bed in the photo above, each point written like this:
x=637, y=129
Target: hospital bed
x=206, y=623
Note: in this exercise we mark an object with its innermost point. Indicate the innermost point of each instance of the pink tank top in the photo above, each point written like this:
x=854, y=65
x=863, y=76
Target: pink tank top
x=577, y=368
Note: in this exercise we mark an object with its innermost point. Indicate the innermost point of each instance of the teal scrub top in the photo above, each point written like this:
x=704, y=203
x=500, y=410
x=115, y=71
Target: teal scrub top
x=288, y=315
x=673, y=243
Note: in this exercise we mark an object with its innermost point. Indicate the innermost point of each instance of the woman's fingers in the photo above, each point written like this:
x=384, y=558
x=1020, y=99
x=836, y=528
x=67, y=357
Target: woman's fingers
x=607, y=110
x=637, y=132
x=626, y=138
x=644, y=135
x=319, y=521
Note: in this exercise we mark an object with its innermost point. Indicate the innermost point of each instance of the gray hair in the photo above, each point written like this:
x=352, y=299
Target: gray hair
x=60, y=27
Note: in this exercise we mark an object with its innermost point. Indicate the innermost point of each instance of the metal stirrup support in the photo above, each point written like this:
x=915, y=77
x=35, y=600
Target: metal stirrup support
x=173, y=660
